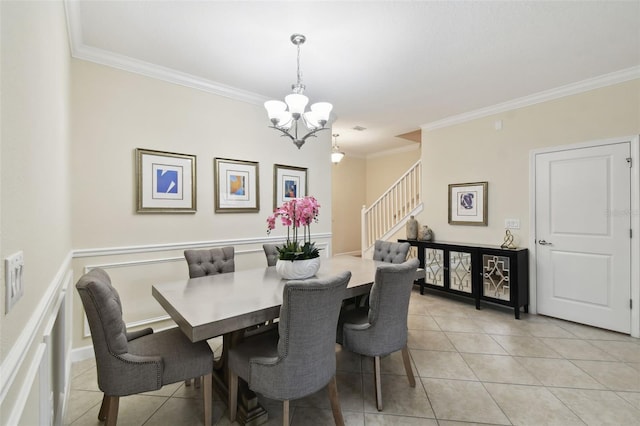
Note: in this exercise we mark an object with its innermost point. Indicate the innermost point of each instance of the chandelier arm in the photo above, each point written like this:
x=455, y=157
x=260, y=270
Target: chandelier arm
x=284, y=132
x=313, y=133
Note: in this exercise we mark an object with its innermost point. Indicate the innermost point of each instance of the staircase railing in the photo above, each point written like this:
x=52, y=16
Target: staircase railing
x=388, y=214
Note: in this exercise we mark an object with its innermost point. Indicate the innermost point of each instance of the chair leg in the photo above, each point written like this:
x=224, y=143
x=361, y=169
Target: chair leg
x=187, y=382
x=112, y=411
x=285, y=412
x=233, y=395
x=104, y=407
x=377, y=379
x=407, y=366
x=206, y=394
x=335, y=402
x=196, y=382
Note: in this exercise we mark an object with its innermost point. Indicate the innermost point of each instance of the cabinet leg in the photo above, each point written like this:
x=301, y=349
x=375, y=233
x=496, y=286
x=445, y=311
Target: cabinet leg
x=516, y=310
x=526, y=309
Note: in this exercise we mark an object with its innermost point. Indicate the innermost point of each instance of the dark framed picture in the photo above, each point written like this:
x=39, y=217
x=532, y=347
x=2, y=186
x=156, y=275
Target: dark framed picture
x=236, y=186
x=289, y=182
x=468, y=203
x=166, y=182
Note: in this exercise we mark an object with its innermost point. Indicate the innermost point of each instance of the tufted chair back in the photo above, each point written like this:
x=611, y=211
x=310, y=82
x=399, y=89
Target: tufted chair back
x=108, y=331
x=390, y=252
x=210, y=262
x=271, y=251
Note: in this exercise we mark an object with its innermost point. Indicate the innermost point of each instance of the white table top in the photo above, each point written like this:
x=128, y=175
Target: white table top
x=217, y=304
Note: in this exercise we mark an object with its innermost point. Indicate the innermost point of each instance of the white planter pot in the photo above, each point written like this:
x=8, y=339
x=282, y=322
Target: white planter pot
x=297, y=269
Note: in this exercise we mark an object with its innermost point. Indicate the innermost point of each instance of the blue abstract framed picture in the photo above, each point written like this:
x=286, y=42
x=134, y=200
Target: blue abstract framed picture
x=166, y=182
x=468, y=203
x=236, y=186
x=289, y=182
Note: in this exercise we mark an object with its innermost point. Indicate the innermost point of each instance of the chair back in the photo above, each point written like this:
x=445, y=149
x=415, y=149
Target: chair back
x=306, y=346
x=271, y=251
x=102, y=305
x=387, y=251
x=210, y=262
x=388, y=309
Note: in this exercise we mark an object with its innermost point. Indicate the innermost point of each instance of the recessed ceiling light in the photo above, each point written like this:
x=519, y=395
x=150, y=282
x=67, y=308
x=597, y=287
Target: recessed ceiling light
x=359, y=128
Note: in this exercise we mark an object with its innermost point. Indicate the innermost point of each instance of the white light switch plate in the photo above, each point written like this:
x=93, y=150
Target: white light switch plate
x=512, y=223
x=13, y=266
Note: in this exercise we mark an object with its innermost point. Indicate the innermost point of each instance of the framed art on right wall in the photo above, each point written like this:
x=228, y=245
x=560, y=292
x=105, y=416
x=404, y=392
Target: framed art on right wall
x=468, y=203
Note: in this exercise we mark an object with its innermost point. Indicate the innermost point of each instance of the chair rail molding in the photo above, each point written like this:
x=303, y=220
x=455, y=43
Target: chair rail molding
x=43, y=315
x=149, y=248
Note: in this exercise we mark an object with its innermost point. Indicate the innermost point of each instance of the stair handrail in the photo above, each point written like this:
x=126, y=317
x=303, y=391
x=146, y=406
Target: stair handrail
x=391, y=210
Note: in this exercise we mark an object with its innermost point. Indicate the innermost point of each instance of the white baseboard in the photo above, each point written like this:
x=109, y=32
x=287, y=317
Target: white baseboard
x=80, y=354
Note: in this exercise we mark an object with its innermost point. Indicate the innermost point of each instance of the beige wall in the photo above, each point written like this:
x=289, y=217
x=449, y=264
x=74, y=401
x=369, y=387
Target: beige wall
x=349, y=186
x=474, y=151
x=115, y=112
x=35, y=212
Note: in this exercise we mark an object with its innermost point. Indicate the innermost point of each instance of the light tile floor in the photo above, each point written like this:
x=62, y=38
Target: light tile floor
x=471, y=366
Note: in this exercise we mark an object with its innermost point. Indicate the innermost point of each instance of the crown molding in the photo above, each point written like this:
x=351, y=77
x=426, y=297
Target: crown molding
x=547, y=95
x=81, y=51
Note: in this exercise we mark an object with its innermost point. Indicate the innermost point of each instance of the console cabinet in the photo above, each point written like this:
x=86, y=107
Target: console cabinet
x=484, y=273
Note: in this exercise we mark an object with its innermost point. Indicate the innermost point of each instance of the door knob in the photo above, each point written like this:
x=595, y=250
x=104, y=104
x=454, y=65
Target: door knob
x=544, y=243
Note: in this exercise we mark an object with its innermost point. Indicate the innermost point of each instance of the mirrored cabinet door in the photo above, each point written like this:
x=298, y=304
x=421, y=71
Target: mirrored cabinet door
x=434, y=266
x=460, y=271
x=496, y=277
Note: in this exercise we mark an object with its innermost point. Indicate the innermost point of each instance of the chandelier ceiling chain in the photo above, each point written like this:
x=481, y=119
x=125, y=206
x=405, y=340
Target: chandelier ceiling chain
x=286, y=115
x=298, y=40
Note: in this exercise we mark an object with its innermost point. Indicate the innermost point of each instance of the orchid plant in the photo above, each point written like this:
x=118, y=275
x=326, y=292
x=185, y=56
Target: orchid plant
x=295, y=214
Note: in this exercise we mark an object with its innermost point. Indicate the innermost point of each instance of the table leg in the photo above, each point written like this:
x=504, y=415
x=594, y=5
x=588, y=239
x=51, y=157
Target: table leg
x=250, y=412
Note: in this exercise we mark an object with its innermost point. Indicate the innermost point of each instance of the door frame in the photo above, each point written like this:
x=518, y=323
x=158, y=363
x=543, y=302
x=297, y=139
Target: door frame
x=635, y=220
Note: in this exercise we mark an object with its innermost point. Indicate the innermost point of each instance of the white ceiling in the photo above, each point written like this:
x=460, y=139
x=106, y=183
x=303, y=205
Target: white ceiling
x=388, y=66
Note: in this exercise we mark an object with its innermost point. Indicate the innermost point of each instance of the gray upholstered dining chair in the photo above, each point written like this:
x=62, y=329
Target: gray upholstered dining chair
x=298, y=357
x=388, y=251
x=210, y=261
x=205, y=262
x=382, y=328
x=142, y=361
x=271, y=252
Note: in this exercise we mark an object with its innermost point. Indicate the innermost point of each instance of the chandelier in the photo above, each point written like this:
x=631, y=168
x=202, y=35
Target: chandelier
x=336, y=154
x=288, y=120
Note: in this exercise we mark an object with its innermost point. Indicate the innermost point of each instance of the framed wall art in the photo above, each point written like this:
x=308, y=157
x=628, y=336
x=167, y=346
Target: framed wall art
x=289, y=182
x=166, y=182
x=236, y=186
x=468, y=203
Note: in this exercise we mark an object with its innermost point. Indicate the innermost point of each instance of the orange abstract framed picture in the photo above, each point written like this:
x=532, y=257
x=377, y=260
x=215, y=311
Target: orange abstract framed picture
x=236, y=186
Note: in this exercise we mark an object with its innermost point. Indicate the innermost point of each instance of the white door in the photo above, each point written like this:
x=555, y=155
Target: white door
x=583, y=226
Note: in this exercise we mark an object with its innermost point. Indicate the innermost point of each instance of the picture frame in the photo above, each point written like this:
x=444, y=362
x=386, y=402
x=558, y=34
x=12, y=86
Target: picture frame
x=166, y=182
x=289, y=182
x=236, y=186
x=468, y=203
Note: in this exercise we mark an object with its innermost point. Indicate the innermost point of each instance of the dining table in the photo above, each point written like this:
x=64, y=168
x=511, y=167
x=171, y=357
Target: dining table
x=228, y=304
